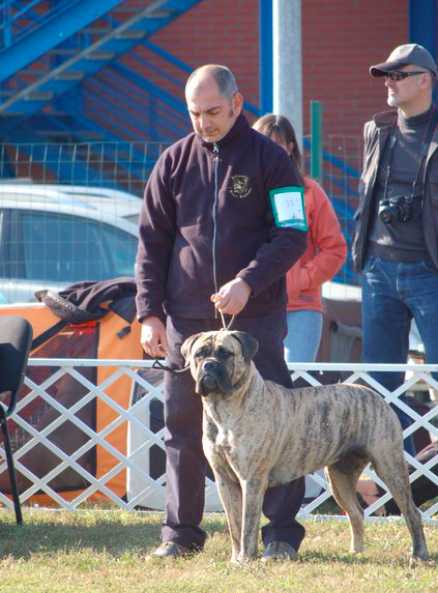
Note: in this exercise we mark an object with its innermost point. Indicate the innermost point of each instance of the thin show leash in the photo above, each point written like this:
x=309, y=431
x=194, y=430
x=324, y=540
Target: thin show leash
x=159, y=366
x=226, y=326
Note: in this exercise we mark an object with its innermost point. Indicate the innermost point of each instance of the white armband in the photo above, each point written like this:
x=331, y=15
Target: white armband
x=287, y=205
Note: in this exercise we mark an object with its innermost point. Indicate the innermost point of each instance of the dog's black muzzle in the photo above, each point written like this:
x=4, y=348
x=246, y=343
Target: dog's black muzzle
x=212, y=378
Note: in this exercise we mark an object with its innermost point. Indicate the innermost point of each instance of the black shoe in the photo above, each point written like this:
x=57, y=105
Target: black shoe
x=171, y=550
x=279, y=551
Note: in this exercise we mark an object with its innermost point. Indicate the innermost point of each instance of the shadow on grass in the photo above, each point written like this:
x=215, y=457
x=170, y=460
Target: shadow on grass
x=364, y=559
x=113, y=534
x=342, y=558
x=47, y=537
x=117, y=537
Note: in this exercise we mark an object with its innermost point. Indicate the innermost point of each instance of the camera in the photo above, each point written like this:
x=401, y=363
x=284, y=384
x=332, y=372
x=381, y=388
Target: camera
x=397, y=208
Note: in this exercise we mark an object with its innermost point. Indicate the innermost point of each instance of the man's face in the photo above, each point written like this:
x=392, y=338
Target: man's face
x=406, y=92
x=212, y=114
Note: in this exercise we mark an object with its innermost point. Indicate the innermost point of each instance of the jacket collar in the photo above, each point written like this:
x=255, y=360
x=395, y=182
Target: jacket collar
x=239, y=129
x=385, y=119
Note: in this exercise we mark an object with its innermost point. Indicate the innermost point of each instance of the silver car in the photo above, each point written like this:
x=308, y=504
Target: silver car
x=55, y=235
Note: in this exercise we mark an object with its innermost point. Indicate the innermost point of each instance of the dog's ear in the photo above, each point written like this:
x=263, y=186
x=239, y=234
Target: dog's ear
x=248, y=344
x=187, y=345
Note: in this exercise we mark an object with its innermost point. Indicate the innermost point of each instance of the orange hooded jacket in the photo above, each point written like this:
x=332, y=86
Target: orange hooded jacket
x=326, y=252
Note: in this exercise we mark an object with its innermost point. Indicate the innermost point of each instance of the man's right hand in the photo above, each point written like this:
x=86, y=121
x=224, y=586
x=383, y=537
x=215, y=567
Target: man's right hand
x=153, y=337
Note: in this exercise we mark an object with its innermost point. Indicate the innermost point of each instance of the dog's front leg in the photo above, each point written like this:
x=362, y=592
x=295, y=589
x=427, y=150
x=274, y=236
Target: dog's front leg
x=253, y=490
x=231, y=498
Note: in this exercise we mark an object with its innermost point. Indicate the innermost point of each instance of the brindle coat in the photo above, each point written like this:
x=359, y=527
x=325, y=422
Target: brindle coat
x=258, y=434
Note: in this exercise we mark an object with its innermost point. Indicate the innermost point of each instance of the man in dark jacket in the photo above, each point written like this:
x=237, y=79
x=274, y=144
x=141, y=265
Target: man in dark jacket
x=222, y=222
x=396, y=239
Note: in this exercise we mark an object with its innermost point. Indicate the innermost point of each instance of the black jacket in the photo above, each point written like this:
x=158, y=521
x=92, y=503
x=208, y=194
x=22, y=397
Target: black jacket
x=206, y=219
x=376, y=133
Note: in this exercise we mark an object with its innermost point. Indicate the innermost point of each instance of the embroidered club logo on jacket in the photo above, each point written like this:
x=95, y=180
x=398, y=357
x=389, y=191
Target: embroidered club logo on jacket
x=240, y=186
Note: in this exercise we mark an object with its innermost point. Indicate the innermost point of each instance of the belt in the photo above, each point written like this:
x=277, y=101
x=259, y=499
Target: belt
x=394, y=254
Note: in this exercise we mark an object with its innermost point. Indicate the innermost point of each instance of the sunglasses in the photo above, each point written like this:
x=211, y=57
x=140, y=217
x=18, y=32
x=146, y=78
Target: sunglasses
x=396, y=75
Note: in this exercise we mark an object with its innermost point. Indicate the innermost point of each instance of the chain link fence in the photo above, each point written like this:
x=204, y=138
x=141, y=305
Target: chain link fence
x=126, y=166
x=117, y=165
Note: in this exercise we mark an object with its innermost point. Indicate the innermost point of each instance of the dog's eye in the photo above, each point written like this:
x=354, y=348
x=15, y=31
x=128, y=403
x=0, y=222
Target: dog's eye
x=222, y=353
x=202, y=353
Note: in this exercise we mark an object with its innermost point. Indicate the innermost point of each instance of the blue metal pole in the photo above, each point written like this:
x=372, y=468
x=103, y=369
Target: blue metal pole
x=7, y=28
x=423, y=24
x=265, y=56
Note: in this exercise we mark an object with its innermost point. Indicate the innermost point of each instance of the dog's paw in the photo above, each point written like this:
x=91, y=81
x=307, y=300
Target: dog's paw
x=243, y=559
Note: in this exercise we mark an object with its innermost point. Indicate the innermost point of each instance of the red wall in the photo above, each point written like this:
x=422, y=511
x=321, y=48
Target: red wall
x=221, y=32
x=341, y=38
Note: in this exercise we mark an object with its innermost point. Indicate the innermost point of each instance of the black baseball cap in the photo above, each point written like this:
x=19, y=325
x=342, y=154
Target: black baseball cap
x=403, y=55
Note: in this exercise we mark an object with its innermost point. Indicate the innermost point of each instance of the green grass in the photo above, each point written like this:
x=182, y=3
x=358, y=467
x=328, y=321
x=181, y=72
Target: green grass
x=106, y=551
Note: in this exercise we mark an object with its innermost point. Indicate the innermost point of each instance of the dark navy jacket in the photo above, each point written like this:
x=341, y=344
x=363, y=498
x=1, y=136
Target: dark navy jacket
x=206, y=219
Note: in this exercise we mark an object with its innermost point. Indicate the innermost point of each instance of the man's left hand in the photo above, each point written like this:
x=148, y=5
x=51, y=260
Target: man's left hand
x=232, y=297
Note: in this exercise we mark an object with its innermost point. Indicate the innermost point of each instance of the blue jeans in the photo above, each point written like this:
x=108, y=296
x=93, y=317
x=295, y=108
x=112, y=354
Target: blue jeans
x=394, y=293
x=304, y=329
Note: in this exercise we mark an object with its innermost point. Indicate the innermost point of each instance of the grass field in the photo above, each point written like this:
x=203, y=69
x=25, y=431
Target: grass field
x=95, y=551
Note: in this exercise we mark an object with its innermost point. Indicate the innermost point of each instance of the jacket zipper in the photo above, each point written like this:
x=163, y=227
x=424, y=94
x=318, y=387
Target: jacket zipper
x=215, y=203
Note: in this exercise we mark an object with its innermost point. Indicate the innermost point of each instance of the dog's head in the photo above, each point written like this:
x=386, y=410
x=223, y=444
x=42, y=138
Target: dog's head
x=219, y=360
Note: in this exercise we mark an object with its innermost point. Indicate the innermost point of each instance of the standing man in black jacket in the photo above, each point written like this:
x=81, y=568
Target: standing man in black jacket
x=222, y=222
x=396, y=239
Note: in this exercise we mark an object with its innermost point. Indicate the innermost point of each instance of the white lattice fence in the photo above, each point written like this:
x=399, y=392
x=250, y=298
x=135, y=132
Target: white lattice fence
x=54, y=441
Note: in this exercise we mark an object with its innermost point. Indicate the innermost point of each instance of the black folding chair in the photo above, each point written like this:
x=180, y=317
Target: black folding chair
x=15, y=342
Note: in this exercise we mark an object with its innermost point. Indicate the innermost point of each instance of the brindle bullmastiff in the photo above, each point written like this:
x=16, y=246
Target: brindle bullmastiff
x=258, y=434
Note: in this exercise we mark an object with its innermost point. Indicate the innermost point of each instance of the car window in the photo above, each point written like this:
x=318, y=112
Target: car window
x=121, y=248
x=63, y=248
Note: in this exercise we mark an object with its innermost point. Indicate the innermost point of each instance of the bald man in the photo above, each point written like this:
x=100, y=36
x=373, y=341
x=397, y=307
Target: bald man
x=222, y=222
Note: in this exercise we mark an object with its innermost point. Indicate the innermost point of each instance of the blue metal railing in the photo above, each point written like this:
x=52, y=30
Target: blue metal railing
x=30, y=31
x=165, y=109
x=183, y=68
x=64, y=49
x=18, y=17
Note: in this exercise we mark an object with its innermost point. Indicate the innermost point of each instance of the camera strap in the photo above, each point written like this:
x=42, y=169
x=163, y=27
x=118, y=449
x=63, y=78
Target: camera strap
x=425, y=148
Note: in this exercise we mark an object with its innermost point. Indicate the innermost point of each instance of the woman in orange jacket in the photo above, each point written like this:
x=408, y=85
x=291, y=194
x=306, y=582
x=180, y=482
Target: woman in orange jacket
x=326, y=252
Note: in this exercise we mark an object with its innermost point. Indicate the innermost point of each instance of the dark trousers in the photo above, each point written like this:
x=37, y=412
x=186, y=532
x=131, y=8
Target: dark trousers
x=185, y=462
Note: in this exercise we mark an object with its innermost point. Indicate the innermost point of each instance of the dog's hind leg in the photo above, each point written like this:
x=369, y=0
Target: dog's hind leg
x=343, y=487
x=391, y=467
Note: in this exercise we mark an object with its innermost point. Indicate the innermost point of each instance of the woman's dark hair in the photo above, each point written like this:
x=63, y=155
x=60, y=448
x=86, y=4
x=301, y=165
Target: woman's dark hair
x=271, y=124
